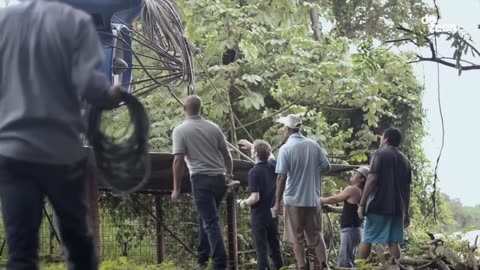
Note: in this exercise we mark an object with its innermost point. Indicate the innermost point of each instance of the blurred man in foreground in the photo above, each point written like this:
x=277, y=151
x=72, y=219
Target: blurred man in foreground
x=49, y=54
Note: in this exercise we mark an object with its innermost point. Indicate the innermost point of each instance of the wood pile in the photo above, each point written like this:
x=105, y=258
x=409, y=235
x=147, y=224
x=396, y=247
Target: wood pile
x=435, y=256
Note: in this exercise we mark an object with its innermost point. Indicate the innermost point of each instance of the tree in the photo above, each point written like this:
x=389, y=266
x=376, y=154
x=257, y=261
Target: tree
x=257, y=59
x=426, y=35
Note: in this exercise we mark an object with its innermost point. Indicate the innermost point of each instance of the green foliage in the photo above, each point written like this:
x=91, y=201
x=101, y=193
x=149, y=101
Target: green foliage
x=463, y=217
x=123, y=264
x=346, y=87
x=378, y=19
x=120, y=264
x=362, y=264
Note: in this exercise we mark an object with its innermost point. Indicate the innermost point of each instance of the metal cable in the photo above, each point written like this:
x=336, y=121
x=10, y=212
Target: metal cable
x=178, y=99
x=120, y=162
x=162, y=26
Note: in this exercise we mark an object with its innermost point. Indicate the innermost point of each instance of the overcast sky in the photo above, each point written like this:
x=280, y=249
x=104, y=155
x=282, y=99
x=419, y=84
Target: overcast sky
x=460, y=97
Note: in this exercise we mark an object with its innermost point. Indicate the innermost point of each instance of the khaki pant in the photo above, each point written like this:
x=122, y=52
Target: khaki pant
x=305, y=223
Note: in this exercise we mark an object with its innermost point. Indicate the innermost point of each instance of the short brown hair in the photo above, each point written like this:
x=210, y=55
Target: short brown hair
x=263, y=149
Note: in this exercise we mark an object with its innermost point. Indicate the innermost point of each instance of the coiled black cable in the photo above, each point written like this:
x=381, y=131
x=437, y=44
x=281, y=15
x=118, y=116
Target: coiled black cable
x=122, y=164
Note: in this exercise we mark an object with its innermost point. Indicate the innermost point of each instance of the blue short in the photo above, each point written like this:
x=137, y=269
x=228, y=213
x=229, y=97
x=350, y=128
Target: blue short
x=381, y=229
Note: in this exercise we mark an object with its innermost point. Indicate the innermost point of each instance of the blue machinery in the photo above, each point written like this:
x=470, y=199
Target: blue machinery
x=169, y=54
x=114, y=18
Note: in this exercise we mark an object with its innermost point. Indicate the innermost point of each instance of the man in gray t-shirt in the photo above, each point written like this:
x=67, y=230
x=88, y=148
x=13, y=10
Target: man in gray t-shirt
x=202, y=145
x=49, y=56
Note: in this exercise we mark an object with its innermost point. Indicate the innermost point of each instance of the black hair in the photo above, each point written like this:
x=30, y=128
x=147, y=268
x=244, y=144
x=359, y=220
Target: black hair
x=394, y=136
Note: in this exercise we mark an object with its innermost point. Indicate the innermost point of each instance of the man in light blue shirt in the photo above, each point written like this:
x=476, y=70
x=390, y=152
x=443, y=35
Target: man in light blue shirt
x=300, y=163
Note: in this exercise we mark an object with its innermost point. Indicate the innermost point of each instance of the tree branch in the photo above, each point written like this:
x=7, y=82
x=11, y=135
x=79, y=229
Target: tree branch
x=452, y=35
x=446, y=63
x=434, y=57
x=461, y=60
x=402, y=40
x=273, y=114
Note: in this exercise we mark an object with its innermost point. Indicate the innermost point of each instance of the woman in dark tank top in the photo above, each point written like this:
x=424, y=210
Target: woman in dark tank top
x=350, y=223
x=349, y=216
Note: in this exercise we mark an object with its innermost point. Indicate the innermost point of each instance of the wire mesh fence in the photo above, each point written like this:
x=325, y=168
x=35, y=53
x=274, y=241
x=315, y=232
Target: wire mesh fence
x=127, y=230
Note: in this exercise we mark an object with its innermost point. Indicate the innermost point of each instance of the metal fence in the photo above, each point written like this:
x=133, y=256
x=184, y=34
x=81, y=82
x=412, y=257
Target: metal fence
x=128, y=230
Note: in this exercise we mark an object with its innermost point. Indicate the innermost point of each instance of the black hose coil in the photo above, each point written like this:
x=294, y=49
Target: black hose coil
x=122, y=164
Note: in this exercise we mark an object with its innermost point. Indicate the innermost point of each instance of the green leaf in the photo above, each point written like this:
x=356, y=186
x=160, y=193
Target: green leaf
x=252, y=78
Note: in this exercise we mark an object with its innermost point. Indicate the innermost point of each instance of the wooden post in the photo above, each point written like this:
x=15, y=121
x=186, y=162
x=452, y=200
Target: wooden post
x=93, y=204
x=232, y=231
x=159, y=229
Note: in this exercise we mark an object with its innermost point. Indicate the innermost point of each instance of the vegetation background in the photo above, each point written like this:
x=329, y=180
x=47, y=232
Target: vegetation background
x=330, y=61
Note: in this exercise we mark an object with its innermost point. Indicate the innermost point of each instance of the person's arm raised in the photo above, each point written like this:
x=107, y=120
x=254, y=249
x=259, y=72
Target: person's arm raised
x=341, y=197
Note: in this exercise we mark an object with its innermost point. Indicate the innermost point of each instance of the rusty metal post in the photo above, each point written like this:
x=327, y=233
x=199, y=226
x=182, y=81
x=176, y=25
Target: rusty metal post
x=232, y=231
x=93, y=204
x=159, y=229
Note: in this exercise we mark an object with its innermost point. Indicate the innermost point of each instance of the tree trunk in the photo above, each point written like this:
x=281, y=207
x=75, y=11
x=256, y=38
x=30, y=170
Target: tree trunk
x=317, y=32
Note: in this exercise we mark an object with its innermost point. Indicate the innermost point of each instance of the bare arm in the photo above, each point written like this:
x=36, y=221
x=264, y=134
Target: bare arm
x=334, y=209
x=253, y=199
x=246, y=145
x=178, y=168
x=342, y=196
x=281, y=180
x=337, y=209
x=369, y=186
x=409, y=192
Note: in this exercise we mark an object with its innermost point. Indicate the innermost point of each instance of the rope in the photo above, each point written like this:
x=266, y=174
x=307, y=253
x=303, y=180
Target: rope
x=122, y=161
x=223, y=100
x=443, y=137
x=439, y=101
x=176, y=97
x=331, y=244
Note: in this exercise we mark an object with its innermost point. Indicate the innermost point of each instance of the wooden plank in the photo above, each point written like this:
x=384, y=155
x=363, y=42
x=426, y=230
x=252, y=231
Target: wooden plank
x=161, y=178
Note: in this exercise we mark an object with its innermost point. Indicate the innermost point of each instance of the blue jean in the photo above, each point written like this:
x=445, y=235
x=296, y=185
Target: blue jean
x=208, y=193
x=23, y=187
x=349, y=240
x=267, y=242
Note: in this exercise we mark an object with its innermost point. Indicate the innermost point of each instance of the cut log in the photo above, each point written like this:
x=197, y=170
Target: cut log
x=439, y=251
x=441, y=265
x=415, y=262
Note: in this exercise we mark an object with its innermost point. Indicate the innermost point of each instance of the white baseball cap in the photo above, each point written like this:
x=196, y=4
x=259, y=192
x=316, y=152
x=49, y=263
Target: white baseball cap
x=291, y=121
x=364, y=170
